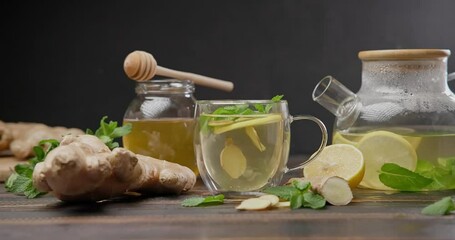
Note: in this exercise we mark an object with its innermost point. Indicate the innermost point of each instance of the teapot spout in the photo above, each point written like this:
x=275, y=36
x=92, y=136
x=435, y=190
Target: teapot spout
x=339, y=100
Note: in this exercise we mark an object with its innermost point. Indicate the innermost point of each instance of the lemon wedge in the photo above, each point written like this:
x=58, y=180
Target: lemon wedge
x=342, y=160
x=232, y=159
x=381, y=147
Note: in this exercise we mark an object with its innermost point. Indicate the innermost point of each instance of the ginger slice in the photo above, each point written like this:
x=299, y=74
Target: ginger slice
x=274, y=200
x=283, y=204
x=232, y=159
x=254, y=204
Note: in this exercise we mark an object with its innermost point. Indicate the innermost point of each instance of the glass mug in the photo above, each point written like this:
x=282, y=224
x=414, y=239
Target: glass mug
x=242, y=146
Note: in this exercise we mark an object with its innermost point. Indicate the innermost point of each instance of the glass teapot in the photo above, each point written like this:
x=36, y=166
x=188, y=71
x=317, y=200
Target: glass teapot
x=403, y=114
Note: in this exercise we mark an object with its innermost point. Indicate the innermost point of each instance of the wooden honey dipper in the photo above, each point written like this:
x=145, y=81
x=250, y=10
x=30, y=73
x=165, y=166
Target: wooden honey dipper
x=142, y=66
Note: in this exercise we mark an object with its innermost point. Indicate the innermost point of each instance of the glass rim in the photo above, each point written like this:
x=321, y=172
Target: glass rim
x=237, y=101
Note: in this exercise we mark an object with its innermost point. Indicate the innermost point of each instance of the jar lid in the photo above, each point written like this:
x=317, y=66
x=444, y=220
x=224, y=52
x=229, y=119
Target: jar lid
x=403, y=54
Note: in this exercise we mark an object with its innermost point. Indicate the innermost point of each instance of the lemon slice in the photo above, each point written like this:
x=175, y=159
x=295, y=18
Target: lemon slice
x=381, y=147
x=342, y=160
x=232, y=159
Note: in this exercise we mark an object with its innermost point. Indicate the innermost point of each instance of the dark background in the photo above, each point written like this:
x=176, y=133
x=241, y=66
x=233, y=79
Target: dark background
x=62, y=61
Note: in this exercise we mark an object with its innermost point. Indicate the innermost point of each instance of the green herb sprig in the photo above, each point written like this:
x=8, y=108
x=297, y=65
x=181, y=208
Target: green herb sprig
x=397, y=177
x=21, y=181
x=427, y=175
x=107, y=132
x=300, y=195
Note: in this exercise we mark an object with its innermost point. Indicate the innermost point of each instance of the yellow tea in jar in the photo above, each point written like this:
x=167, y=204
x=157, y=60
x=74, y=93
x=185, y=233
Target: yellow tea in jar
x=169, y=139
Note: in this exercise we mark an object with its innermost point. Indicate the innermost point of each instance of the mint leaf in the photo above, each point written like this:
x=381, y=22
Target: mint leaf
x=277, y=98
x=441, y=172
x=394, y=176
x=299, y=193
x=260, y=108
x=301, y=184
x=296, y=200
x=423, y=167
x=241, y=109
x=107, y=132
x=39, y=152
x=313, y=200
x=21, y=181
x=23, y=169
x=439, y=208
x=193, y=202
x=203, y=201
x=21, y=184
x=284, y=192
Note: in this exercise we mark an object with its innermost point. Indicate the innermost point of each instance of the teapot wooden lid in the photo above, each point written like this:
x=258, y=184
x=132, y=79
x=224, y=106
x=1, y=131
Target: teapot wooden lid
x=403, y=54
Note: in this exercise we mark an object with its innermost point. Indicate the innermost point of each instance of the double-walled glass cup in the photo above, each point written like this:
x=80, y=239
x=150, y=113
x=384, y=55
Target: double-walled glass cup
x=242, y=146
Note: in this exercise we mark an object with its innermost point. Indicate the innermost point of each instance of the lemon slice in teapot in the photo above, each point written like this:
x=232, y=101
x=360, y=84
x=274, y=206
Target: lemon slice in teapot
x=381, y=147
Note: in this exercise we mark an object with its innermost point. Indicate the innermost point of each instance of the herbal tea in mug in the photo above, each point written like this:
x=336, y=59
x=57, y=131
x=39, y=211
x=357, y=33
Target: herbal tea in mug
x=242, y=146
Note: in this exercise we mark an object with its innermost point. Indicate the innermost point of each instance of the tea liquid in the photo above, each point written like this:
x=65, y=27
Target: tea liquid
x=430, y=146
x=168, y=139
x=261, y=166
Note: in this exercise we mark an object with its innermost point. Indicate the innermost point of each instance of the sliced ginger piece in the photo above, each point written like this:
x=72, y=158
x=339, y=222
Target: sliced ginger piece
x=232, y=159
x=335, y=190
x=274, y=200
x=253, y=135
x=254, y=204
x=283, y=204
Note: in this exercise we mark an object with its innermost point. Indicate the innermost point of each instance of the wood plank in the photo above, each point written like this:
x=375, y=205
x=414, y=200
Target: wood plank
x=372, y=215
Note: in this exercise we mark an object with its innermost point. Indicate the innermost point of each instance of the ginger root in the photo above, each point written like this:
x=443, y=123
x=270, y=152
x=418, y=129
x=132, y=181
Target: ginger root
x=334, y=189
x=20, y=138
x=83, y=168
x=6, y=136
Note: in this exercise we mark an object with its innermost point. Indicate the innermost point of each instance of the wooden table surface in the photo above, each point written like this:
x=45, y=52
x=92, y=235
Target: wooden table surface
x=371, y=215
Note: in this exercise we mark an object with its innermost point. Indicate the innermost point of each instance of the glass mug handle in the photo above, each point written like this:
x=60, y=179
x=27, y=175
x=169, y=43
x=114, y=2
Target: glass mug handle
x=323, y=139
